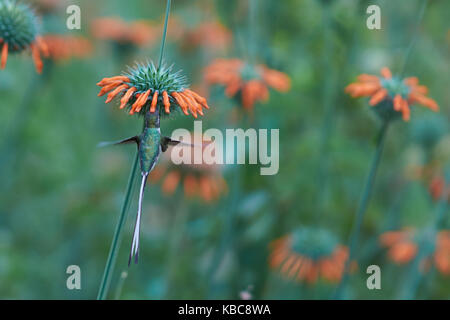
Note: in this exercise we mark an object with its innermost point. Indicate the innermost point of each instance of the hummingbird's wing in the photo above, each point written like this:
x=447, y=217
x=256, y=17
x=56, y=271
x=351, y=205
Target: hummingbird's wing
x=134, y=139
x=166, y=142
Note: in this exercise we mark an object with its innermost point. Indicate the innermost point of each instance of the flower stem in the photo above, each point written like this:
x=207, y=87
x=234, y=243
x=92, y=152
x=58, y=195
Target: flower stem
x=163, y=42
x=112, y=257
x=414, y=39
x=354, y=237
x=329, y=109
x=227, y=239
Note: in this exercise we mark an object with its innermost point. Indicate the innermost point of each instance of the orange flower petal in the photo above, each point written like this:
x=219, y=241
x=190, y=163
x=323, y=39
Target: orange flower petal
x=386, y=73
x=115, y=92
x=180, y=102
x=4, y=56
x=36, y=58
x=126, y=97
x=166, y=102
x=378, y=97
x=154, y=102
x=171, y=182
x=143, y=100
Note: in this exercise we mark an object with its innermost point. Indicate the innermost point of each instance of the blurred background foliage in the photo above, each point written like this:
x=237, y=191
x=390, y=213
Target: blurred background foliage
x=60, y=195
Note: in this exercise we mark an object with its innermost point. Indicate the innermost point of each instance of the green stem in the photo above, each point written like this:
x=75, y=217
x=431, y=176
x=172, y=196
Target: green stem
x=163, y=43
x=354, y=237
x=414, y=39
x=252, y=36
x=177, y=233
x=227, y=240
x=329, y=109
x=112, y=257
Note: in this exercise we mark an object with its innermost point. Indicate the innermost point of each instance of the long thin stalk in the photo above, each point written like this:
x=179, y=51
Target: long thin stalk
x=414, y=39
x=112, y=257
x=362, y=208
x=227, y=239
x=329, y=110
x=163, y=41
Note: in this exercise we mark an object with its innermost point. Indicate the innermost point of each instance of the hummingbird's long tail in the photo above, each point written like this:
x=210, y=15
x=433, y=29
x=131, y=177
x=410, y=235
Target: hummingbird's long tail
x=137, y=227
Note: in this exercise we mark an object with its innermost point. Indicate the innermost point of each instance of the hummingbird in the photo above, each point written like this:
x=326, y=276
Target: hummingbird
x=150, y=144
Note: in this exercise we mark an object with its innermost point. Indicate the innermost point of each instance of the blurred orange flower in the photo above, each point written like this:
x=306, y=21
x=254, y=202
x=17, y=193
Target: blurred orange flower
x=437, y=187
x=402, y=248
x=212, y=35
x=37, y=48
x=138, y=33
x=442, y=253
x=308, y=254
x=64, y=47
x=399, y=93
x=250, y=81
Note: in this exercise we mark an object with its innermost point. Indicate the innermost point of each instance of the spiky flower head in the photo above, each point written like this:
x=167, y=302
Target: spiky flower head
x=309, y=253
x=19, y=31
x=248, y=81
x=391, y=95
x=148, y=88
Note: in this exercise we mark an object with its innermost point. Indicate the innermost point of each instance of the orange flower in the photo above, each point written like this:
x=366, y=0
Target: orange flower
x=18, y=26
x=402, y=248
x=442, y=253
x=307, y=254
x=37, y=47
x=206, y=184
x=437, y=187
x=251, y=81
x=211, y=34
x=146, y=88
x=139, y=33
x=400, y=94
x=64, y=47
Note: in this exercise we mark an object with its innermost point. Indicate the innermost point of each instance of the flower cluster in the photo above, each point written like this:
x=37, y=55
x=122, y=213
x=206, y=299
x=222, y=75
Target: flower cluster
x=248, y=80
x=391, y=95
x=19, y=31
x=309, y=253
x=162, y=88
